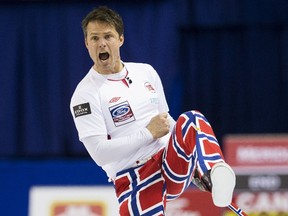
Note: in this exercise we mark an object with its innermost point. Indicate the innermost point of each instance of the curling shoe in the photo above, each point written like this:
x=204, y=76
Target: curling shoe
x=223, y=183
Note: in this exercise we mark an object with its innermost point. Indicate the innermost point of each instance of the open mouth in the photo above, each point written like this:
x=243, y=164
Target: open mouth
x=104, y=56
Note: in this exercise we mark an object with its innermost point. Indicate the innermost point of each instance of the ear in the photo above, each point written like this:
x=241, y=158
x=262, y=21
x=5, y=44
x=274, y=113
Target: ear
x=121, y=39
x=86, y=43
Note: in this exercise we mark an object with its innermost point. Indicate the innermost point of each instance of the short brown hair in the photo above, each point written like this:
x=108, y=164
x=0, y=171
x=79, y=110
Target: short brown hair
x=106, y=15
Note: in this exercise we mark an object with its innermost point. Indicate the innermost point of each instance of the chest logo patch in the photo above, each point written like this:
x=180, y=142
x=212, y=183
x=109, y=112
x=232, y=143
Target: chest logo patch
x=149, y=87
x=81, y=110
x=122, y=114
x=114, y=99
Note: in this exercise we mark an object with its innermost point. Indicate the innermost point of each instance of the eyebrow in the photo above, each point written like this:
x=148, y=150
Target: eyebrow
x=96, y=33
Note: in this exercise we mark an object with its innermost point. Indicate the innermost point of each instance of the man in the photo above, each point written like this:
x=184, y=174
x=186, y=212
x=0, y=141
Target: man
x=122, y=117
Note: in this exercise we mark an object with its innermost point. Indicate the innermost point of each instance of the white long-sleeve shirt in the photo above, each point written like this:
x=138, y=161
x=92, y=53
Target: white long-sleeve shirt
x=119, y=106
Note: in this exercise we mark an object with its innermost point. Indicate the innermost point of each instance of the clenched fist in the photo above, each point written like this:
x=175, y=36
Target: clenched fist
x=159, y=125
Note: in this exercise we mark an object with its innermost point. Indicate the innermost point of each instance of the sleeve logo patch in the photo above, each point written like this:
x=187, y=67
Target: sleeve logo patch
x=81, y=110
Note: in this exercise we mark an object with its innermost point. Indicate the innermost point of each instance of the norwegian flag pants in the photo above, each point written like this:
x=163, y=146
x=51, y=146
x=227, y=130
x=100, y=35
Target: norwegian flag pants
x=145, y=189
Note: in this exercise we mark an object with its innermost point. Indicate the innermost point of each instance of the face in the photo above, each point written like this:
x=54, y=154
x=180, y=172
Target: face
x=103, y=44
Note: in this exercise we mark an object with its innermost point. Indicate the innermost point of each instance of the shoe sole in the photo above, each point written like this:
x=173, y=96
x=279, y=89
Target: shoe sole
x=223, y=183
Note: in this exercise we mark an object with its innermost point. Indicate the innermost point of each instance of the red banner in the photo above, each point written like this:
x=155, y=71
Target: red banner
x=256, y=151
x=193, y=202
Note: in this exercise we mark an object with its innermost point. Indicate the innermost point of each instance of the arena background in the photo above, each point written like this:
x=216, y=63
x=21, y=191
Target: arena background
x=226, y=58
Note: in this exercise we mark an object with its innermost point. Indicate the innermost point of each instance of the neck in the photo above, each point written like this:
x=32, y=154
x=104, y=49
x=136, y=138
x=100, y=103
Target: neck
x=109, y=70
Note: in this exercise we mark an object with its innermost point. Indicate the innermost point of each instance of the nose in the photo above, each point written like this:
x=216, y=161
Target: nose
x=102, y=43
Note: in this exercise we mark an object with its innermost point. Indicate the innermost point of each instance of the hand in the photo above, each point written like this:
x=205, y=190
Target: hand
x=159, y=125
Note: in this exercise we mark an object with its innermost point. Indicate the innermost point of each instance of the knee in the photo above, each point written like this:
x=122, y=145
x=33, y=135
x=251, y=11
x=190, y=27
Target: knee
x=190, y=114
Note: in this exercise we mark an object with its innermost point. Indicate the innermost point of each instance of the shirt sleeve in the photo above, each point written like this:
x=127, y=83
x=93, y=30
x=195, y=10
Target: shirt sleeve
x=162, y=106
x=87, y=115
x=104, y=151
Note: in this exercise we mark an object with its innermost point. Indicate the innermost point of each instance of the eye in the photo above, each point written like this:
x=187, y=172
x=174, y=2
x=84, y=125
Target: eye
x=108, y=36
x=94, y=38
